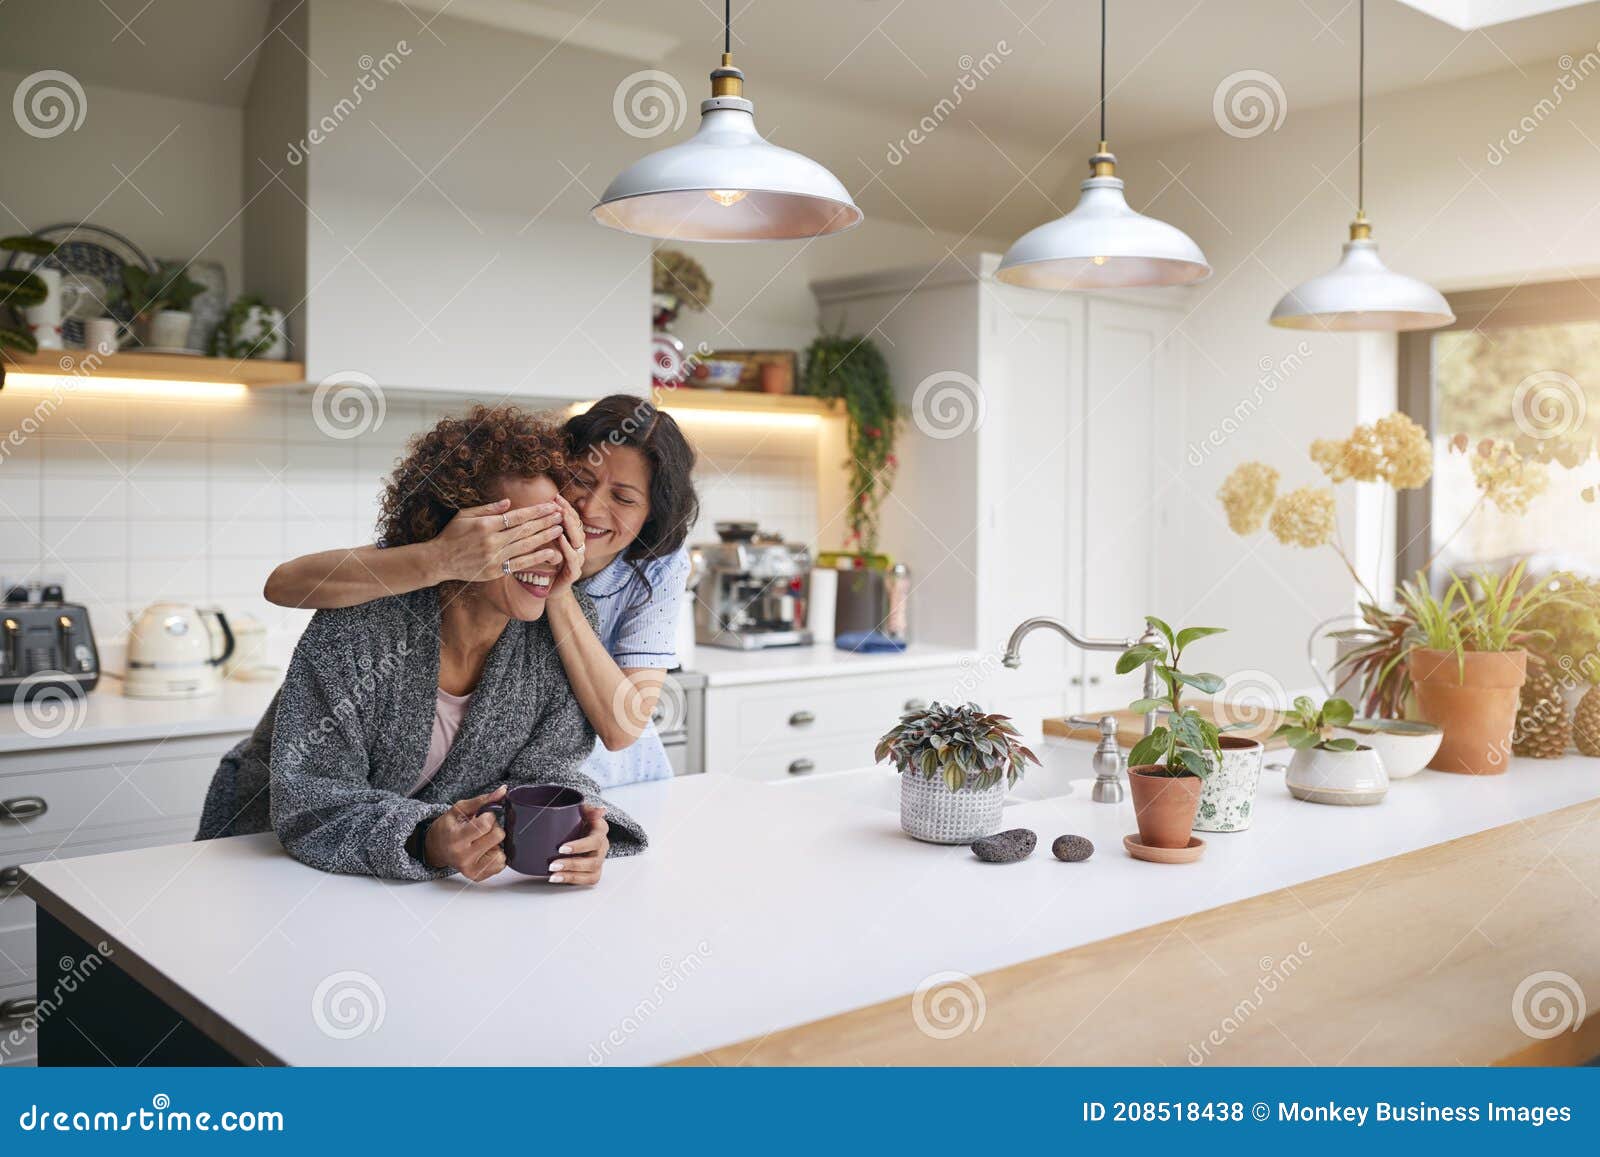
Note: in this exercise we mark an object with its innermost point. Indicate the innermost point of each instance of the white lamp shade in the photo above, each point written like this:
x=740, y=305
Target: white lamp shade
x=1103, y=244
x=1362, y=294
x=775, y=194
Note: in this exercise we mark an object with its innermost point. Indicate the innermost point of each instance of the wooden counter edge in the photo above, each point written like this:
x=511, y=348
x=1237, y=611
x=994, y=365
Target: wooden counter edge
x=1415, y=959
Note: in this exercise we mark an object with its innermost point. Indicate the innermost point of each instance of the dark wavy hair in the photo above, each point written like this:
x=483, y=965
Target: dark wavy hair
x=453, y=466
x=628, y=420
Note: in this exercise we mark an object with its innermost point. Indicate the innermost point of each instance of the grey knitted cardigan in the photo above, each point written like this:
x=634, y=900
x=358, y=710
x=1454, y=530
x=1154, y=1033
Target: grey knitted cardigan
x=329, y=765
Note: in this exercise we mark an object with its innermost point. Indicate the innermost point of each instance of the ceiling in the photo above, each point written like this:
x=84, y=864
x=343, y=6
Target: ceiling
x=1165, y=57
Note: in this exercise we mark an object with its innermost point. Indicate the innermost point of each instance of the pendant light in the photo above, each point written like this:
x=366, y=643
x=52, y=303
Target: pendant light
x=1361, y=293
x=726, y=183
x=1103, y=243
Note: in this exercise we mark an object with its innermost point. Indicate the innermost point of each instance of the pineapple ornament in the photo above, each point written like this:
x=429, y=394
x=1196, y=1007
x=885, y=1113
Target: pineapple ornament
x=1586, y=722
x=1543, y=730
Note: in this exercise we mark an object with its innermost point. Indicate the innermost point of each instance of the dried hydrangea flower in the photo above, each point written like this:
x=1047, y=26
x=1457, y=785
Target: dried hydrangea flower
x=1304, y=517
x=1507, y=479
x=1407, y=451
x=1247, y=494
x=1357, y=458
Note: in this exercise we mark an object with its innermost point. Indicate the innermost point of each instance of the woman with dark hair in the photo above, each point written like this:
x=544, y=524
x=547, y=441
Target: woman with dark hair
x=401, y=718
x=621, y=519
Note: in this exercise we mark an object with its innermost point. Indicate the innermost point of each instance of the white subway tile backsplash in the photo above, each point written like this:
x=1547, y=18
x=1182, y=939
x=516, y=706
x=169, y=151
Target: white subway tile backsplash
x=73, y=498
x=84, y=539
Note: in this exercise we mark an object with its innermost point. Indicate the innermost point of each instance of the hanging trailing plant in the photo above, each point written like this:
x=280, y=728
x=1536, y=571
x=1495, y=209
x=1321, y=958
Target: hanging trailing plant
x=853, y=369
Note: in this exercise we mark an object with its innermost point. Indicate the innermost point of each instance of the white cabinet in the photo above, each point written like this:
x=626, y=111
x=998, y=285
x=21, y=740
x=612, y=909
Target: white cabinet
x=64, y=802
x=1040, y=448
x=775, y=731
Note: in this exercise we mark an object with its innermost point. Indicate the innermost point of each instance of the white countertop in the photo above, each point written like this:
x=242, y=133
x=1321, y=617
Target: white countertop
x=757, y=907
x=106, y=715
x=725, y=668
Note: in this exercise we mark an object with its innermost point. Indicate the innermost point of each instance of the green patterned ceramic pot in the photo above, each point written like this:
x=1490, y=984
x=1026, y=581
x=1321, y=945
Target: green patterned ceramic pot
x=1228, y=795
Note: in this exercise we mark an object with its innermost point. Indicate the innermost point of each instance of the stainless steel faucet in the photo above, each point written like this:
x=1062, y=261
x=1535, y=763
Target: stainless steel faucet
x=1108, y=758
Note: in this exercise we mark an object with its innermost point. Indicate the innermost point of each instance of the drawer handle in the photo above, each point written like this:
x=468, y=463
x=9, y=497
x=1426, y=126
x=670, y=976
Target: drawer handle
x=10, y=880
x=801, y=766
x=801, y=718
x=19, y=1008
x=24, y=807
x=1094, y=680
x=915, y=705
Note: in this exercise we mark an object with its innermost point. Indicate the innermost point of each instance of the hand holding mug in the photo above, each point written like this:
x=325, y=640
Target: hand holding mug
x=467, y=841
x=582, y=859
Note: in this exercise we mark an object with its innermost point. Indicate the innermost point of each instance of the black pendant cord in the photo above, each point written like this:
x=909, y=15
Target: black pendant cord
x=727, y=26
x=1102, y=69
x=1361, y=116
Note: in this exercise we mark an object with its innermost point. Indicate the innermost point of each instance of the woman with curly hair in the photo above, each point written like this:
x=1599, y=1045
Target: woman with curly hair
x=400, y=718
x=623, y=515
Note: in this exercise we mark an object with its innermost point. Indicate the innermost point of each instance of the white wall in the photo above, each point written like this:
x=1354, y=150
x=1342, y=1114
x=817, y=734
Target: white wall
x=1267, y=219
x=181, y=157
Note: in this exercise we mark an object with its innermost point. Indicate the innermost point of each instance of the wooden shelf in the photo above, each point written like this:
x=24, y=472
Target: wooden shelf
x=171, y=367
x=689, y=398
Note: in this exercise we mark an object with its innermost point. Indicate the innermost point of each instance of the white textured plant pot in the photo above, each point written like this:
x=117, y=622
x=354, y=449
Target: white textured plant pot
x=168, y=329
x=1228, y=796
x=263, y=328
x=931, y=811
x=1346, y=778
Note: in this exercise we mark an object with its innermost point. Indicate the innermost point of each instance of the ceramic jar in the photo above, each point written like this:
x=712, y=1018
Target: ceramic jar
x=930, y=811
x=1345, y=778
x=1228, y=794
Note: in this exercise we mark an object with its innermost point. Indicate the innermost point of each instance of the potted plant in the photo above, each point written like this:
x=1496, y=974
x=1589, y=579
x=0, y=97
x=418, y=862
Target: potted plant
x=1325, y=770
x=159, y=303
x=955, y=764
x=1166, y=768
x=23, y=289
x=251, y=329
x=854, y=369
x=1471, y=661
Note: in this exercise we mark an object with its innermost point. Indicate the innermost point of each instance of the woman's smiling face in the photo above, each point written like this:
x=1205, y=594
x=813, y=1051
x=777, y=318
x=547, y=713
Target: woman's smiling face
x=611, y=490
x=522, y=595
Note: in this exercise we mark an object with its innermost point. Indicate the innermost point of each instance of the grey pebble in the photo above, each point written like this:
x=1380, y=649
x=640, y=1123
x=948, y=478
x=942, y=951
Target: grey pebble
x=1005, y=847
x=1072, y=849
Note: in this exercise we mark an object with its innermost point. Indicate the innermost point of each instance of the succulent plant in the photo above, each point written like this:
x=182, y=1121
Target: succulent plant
x=960, y=744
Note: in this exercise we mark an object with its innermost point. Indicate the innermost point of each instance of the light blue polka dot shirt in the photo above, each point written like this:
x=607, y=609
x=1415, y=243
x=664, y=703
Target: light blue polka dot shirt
x=639, y=628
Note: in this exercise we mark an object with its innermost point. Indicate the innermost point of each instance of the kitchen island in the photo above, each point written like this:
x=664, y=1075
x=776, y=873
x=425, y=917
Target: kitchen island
x=793, y=922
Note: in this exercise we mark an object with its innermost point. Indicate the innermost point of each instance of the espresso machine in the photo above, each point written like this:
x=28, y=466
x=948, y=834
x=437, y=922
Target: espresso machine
x=752, y=590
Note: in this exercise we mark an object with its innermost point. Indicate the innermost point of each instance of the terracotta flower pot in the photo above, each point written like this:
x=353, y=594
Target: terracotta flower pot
x=1164, y=806
x=1473, y=698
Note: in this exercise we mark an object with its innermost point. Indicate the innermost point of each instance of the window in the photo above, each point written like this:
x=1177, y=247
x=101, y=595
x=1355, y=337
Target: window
x=1522, y=367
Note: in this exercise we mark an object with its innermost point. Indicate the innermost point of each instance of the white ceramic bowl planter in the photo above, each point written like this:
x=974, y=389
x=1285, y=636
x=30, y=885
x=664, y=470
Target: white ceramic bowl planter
x=1228, y=795
x=1403, y=747
x=1347, y=778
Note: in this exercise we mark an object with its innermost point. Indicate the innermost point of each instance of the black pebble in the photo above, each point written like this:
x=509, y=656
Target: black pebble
x=1006, y=847
x=1072, y=849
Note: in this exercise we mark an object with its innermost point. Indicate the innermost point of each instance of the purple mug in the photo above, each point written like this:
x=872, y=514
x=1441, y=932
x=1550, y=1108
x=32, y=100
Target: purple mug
x=538, y=818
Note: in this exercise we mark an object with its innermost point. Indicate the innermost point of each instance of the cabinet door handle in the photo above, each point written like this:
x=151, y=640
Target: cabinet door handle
x=801, y=766
x=24, y=807
x=1094, y=680
x=1076, y=681
x=19, y=1008
x=10, y=880
x=915, y=705
x=801, y=718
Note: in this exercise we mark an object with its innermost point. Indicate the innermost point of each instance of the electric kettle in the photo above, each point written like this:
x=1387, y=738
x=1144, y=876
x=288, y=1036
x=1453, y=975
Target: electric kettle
x=174, y=652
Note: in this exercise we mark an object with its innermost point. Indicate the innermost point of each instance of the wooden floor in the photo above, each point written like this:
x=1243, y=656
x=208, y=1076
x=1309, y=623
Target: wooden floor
x=1412, y=960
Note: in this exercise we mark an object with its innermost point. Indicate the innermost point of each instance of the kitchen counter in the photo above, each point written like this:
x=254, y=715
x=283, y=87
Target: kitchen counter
x=727, y=668
x=760, y=911
x=106, y=715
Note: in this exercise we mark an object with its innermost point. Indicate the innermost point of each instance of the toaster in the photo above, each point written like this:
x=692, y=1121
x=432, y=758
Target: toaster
x=46, y=645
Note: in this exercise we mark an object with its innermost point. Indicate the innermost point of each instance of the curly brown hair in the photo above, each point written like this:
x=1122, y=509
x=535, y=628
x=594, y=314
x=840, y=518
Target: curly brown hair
x=454, y=465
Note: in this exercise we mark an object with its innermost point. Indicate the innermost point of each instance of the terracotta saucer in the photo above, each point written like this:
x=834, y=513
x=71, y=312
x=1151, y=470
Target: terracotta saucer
x=1188, y=855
